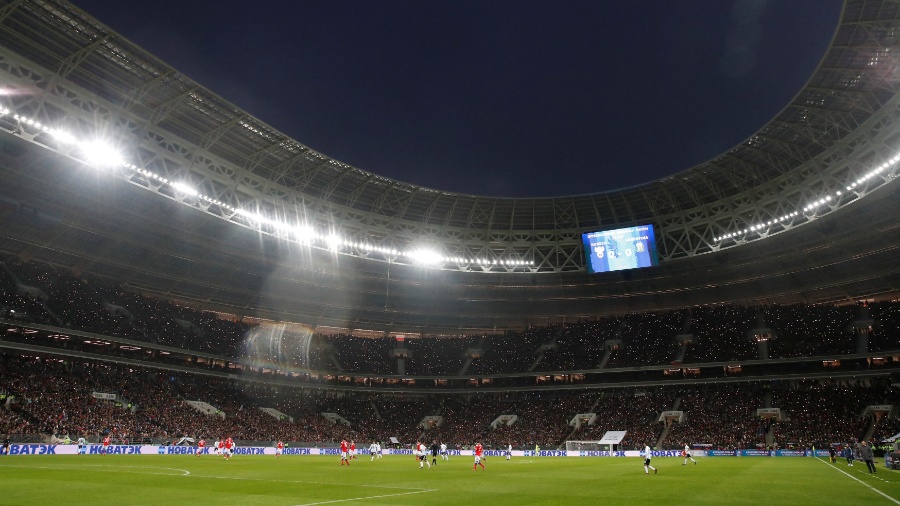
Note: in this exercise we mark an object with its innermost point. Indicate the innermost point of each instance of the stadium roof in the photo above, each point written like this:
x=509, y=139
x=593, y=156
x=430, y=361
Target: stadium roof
x=207, y=202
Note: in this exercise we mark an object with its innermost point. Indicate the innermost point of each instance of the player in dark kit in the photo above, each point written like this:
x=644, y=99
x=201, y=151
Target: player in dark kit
x=5, y=450
x=435, y=450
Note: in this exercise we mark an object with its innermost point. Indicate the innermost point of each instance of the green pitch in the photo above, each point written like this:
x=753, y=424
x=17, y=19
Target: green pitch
x=96, y=480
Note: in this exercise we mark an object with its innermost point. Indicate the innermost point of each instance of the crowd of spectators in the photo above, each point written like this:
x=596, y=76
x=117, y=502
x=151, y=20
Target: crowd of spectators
x=723, y=416
x=634, y=410
x=717, y=334
x=51, y=396
x=41, y=294
x=38, y=293
x=825, y=412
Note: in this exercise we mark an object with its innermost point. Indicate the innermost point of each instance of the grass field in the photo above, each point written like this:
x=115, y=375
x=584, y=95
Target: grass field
x=71, y=480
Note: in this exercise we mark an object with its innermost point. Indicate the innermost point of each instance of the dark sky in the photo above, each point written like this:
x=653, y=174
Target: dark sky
x=499, y=97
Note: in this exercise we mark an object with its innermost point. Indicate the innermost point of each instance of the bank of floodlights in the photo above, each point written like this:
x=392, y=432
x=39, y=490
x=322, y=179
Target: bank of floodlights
x=819, y=204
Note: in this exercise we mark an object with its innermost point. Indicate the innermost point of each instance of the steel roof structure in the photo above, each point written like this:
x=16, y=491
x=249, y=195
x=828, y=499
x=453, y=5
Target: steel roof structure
x=806, y=209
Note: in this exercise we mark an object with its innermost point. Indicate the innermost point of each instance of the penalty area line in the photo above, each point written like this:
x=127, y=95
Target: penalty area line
x=873, y=489
x=367, y=498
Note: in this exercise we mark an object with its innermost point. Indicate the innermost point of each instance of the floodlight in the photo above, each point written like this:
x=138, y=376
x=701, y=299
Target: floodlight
x=62, y=136
x=101, y=154
x=185, y=189
x=304, y=233
x=425, y=256
x=334, y=242
x=250, y=215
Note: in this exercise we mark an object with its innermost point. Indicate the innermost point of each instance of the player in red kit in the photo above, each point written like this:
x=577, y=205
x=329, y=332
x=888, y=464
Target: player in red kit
x=352, y=454
x=345, y=447
x=229, y=446
x=106, y=442
x=479, y=453
x=279, y=448
x=200, y=446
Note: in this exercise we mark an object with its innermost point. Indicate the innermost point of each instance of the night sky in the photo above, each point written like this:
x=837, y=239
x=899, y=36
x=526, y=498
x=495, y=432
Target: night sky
x=496, y=97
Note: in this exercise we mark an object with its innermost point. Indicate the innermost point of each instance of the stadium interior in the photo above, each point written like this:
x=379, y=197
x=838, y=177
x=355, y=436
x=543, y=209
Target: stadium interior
x=197, y=254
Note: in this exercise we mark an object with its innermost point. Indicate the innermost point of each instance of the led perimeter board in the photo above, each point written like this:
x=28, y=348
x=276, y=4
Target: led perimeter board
x=620, y=249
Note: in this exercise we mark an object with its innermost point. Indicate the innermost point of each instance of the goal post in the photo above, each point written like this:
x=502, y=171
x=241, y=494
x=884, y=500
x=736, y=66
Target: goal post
x=586, y=446
x=608, y=442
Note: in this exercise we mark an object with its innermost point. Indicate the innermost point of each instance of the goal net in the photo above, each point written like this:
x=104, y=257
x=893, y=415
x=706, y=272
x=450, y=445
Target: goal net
x=586, y=446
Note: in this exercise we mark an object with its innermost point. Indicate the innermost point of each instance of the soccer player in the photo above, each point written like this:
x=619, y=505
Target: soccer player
x=373, y=450
x=848, y=454
x=435, y=449
x=352, y=449
x=508, y=451
x=200, y=446
x=345, y=447
x=380, y=450
x=5, y=449
x=229, y=448
x=82, y=445
x=279, y=449
x=479, y=453
x=444, y=455
x=106, y=443
x=647, y=467
x=422, y=455
x=686, y=453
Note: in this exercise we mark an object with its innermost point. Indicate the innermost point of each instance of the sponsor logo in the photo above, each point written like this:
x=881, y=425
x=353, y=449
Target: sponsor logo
x=121, y=450
x=32, y=449
x=601, y=453
x=180, y=450
x=249, y=451
x=791, y=453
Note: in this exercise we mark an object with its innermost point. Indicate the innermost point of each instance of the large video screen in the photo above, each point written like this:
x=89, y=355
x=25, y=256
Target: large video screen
x=620, y=249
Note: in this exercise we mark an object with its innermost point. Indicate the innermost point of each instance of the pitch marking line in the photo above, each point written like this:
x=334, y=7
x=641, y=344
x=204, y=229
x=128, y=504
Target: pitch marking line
x=879, y=492
x=366, y=498
x=864, y=471
x=413, y=490
x=114, y=468
x=875, y=476
x=184, y=472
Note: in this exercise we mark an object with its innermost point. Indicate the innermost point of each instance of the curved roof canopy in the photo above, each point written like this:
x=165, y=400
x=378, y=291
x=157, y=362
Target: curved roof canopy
x=209, y=203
